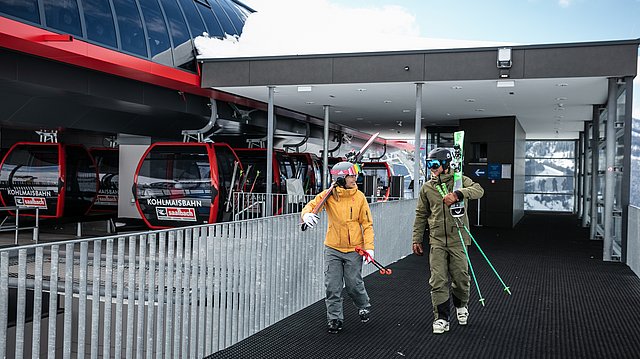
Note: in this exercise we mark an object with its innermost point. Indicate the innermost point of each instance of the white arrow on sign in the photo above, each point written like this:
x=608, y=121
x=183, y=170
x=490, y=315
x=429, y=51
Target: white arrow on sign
x=479, y=172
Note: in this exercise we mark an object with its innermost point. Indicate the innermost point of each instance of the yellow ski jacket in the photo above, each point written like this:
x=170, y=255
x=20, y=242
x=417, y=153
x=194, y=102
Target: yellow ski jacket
x=350, y=222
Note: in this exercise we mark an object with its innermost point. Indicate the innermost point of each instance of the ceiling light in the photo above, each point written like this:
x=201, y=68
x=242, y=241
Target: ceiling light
x=561, y=98
x=456, y=87
x=309, y=102
x=506, y=84
x=387, y=101
x=362, y=90
x=359, y=118
x=304, y=88
x=406, y=111
x=480, y=109
x=338, y=111
x=562, y=84
x=470, y=100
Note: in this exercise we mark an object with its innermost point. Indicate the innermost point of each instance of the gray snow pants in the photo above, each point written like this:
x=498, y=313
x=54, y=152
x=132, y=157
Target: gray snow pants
x=343, y=268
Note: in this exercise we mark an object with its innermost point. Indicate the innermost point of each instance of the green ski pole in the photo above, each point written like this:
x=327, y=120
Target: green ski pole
x=506, y=288
x=473, y=274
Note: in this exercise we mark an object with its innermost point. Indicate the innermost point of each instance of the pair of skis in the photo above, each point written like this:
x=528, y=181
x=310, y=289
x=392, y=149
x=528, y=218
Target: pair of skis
x=457, y=209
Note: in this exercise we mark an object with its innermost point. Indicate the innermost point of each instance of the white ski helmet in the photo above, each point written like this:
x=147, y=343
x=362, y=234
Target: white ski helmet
x=343, y=169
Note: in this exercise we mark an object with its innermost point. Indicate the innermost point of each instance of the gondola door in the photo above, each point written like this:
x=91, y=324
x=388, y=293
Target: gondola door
x=176, y=184
x=107, y=164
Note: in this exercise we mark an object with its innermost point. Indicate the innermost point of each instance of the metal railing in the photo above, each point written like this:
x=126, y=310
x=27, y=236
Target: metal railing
x=11, y=222
x=175, y=293
x=246, y=205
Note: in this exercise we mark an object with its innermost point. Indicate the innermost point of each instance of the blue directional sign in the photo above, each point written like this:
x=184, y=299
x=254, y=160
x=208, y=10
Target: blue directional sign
x=494, y=171
x=480, y=172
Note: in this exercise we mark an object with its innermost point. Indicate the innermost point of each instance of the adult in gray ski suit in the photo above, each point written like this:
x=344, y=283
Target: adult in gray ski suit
x=447, y=258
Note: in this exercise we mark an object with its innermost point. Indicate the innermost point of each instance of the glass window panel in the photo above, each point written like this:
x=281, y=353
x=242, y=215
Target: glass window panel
x=24, y=9
x=287, y=168
x=256, y=175
x=549, y=166
x=99, y=22
x=235, y=19
x=176, y=172
x=548, y=202
x=130, y=26
x=177, y=25
x=224, y=20
x=193, y=18
x=63, y=15
x=602, y=124
x=213, y=26
x=621, y=106
x=549, y=176
x=550, y=149
x=183, y=48
x=541, y=184
x=157, y=32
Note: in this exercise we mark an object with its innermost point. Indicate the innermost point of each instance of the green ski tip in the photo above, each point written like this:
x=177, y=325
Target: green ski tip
x=506, y=289
x=482, y=301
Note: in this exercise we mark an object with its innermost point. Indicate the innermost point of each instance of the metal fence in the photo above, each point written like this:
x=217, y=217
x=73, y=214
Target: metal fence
x=246, y=205
x=180, y=293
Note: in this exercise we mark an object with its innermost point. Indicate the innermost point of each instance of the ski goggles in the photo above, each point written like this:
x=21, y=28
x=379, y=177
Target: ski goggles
x=432, y=164
x=351, y=170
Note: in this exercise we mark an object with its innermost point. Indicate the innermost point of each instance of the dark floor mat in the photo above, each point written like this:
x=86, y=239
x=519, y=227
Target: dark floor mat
x=566, y=303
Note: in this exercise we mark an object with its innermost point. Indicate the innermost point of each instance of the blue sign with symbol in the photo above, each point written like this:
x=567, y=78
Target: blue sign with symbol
x=480, y=172
x=494, y=171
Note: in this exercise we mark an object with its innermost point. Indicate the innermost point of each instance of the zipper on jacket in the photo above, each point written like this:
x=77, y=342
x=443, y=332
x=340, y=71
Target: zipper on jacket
x=351, y=215
x=444, y=218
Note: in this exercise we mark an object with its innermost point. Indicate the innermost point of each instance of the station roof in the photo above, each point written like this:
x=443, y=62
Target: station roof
x=551, y=89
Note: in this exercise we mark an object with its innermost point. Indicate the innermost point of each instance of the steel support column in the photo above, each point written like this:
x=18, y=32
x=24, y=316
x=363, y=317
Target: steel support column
x=325, y=148
x=584, y=173
x=595, y=153
x=625, y=197
x=609, y=179
x=418, y=131
x=270, y=127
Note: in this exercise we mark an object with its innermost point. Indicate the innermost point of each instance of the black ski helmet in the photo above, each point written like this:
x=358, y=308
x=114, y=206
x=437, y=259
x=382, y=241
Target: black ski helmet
x=441, y=155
